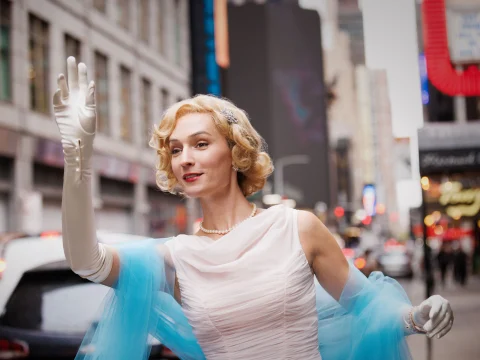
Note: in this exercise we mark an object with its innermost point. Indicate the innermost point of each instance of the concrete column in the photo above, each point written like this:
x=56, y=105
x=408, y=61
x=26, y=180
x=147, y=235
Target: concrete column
x=193, y=213
x=57, y=58
x=20, y=60
x=169, y=8
x=184, y=36
x=23, y=220
x=141, y=207
x=114, y=93
x=460, y=106
x=136, y=94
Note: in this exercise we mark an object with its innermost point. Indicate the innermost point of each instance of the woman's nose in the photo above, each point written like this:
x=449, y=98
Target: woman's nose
x=187, y=158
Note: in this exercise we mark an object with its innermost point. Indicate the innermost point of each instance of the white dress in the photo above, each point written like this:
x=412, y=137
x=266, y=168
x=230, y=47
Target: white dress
x=250, y=294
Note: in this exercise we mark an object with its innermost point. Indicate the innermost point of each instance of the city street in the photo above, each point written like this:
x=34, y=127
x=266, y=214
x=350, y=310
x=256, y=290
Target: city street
x=463, y=342
x=214, y=144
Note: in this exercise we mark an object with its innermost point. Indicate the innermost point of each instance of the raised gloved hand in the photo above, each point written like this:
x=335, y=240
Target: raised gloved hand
x=74, y=109
x=434, y=316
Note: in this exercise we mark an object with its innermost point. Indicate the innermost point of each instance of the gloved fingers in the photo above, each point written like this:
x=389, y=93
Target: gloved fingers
x=438, y=316
x=446, y=329
x=425, y=308
x=428, y=326
x=72, y=73
x=440, y=325
x=82, y=78
x=62, y=85
x=90, y=97
x=57, y=98
x=436, y=307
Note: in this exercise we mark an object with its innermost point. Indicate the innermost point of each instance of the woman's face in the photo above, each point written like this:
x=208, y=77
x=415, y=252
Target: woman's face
x=201, y=158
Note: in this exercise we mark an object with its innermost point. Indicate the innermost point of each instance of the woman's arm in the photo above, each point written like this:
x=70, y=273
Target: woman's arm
x=75, y=114
x=433, y=316
x=323, y=254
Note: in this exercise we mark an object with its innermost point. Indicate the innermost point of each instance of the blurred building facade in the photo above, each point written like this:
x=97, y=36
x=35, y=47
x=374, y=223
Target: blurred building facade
x=138, y=53
x=449, y=146
x=341, y=104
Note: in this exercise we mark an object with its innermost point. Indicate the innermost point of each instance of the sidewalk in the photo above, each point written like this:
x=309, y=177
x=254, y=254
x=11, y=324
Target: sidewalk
x=463, y=341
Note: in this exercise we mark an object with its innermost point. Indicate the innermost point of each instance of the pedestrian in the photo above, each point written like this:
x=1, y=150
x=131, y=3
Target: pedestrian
x=243, y=286
x=460, y=264
x=444, y=260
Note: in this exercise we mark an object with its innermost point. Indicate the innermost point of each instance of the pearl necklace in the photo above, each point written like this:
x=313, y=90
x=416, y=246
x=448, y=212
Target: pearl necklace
x=222, y=232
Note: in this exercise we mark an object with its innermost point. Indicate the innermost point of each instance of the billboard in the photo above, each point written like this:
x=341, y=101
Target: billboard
x=276, y=75
x=205, y=71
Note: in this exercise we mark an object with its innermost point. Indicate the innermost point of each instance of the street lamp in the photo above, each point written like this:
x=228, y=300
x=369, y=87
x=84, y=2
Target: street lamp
x=280, y=164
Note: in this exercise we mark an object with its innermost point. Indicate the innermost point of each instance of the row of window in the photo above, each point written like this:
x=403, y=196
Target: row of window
x=39, y=77
x=144, y=16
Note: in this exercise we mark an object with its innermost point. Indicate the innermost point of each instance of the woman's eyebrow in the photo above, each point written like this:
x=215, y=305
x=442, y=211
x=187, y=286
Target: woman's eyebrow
x=193, y=135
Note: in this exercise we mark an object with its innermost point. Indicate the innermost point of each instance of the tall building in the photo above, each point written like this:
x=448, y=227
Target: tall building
x=350, y=20
x=276, y=75
x=138, y=53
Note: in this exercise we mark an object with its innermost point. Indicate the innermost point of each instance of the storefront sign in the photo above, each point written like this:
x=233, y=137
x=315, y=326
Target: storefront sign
x=115, y=168
x=458, y=201
x=422, y=64
x=205, y=71
x=51, y=153
x=449, y=161
x=369, y=199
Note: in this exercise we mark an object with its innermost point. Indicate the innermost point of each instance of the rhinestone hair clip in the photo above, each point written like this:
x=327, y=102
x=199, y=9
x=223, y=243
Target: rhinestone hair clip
x=229, y=116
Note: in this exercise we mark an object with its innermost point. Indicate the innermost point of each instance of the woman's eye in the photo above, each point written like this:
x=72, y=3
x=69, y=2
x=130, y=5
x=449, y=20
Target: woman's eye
x=202, y=144
x=175, y=151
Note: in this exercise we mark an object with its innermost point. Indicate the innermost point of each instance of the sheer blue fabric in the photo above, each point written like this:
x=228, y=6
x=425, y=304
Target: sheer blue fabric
x=140, y=305
x=366, y=323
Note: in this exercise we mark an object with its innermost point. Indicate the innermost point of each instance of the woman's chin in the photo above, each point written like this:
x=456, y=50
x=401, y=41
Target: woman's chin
x=193, y=193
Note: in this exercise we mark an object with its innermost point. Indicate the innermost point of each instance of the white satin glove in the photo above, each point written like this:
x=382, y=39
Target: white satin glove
x=74, y=109
x=434, y=315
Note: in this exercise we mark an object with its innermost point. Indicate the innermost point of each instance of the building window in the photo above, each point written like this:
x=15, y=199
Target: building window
x=125, y=105
x=165, y=102
x=101, y=92
x=473, y=108
x=39, y=64
x=178, y=23
x=123, y=11
x=5, y=25
x=100, y=5
x=146, y=109
x=72, y=47
x=143, y=20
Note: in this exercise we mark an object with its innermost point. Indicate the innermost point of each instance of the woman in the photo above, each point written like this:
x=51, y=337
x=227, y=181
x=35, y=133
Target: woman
x=245, y=281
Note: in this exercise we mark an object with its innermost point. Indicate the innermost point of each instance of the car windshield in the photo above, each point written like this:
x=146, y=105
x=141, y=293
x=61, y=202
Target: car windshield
x=54, y=301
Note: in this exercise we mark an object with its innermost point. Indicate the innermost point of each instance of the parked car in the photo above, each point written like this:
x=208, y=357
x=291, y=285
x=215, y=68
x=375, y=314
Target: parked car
x=396, y=261
x=45, y=308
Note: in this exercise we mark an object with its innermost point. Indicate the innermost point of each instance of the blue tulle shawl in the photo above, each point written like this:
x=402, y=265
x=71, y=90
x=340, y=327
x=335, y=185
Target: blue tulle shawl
x=364, y=324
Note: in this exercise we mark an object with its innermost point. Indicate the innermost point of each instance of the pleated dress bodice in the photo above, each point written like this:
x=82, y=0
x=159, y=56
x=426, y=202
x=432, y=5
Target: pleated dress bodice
x=250, y=294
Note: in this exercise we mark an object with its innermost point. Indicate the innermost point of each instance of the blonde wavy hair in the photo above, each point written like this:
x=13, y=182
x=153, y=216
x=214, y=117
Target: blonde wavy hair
x=249, y=150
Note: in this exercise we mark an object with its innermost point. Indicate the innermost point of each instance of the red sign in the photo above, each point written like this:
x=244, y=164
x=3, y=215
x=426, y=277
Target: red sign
x=439, y=67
